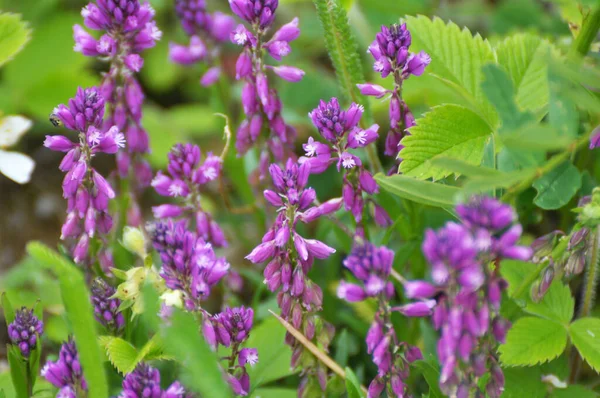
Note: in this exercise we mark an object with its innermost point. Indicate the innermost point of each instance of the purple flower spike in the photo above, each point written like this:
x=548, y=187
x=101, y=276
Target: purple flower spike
x=25, y=331
x=106, y=308
x=66, y=373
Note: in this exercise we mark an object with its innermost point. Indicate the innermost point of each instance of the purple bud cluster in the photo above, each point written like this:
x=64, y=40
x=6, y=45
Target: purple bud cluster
x=371, y=266
x=87, y=192
x=106, y=308
x=291, y=256
x=465, y=259
x=390, y=49
x=206, y=31
x=185, y=175
x=260, y=100
x=129, y=29
x=189, y=264
x=66, y=373
x=340, y=128
x=144, y=381
x=25, y=331
x=231, y=328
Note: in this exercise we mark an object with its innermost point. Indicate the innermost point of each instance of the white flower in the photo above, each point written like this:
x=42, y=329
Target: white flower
x=16, y=166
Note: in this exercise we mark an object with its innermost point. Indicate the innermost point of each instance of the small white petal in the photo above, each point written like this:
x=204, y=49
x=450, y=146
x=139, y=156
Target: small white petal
x=16, y=166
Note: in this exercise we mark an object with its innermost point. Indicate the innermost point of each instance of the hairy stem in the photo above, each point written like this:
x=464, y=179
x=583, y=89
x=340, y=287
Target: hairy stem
x=588, y=33
x=591, y=277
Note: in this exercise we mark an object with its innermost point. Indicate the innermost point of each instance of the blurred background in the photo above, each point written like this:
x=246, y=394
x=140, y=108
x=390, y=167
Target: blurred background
x=48, y=71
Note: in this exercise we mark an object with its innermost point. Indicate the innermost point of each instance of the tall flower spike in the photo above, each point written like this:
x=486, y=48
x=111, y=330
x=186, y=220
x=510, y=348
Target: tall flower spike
x=128, y=29
x=340, y=128
x=144, y=381
x=371, y=266
x=465, y=259
x=25, y=331
x=185, y=175
x=290, y=257
x=206, y=32
x=87, y=191
x=106, y=308
x=260, y=99
x=66, y=373
x=390, y=49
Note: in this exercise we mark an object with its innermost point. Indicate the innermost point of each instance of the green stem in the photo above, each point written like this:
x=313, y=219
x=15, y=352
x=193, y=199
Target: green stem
x=588, y=33
x=29, y=379
x=591, y=277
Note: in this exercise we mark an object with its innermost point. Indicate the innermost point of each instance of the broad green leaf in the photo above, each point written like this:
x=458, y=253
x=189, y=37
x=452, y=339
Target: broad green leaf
x=519, y=275
x=121, y=354
x=273, y=361
x=451, y=131
x=353, y=385
x=585, y=335
x=524, y=382
x=9, y=311
x=76, y=300
x=574, y=390
x=556, y=188
x=458, y=166
x=562, y=111
x=342, y=48
x=486, y=184
x=536, y=137
x=531, y=341
x=18, y=371
x=557, y=305
x=424, y=192
x=183, y=340
x=457, y=57
x=14, y=33
x=431, y=372
x=525, y=56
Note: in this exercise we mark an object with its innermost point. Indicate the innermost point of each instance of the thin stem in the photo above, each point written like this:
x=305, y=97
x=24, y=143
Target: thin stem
x=29, y=379
x=591, y=277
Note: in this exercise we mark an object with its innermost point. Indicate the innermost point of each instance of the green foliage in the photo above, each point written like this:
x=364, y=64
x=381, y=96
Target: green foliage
x=342, y=47
x=353, y=385
x=556, y=188
x=447, y=131
x=585, y=335
x=557, y=305
x=533, y=340
x=9, y=311
x=125, y=357
x=431, y=372
x=18, y=371
x=424, y=192
x=14, y=33
x=76, y=300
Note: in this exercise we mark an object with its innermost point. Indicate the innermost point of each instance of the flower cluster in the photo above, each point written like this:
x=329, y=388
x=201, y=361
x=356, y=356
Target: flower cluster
x=390, y=49
x=87, y=192
x=340, y=128
x=371, y=266
x=129, y=30
x=206, y=31
x=291, y=257
x=259, y=99
x=144, y=381
x=189, y=264
x=465, y=259
x=25, y=331
x=66, y=373
x=106, y=307
x=186, y=174
x=231, y=328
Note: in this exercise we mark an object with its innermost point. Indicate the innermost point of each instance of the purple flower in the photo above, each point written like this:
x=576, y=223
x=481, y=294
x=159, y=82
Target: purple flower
x=144, y=381
x=106, y=308
x=25, y=331
x=66, y=372
x=372, y=266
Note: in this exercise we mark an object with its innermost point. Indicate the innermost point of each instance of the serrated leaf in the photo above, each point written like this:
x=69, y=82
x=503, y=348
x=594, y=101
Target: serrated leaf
x=556, y=188
x=342, y=48
x=121, y=354
x=451, y=131
x=525, y=58
x=353, y=385
x=424, y=192
x=531, y=341
x=76, y=300
x=457, y=57
x=585, y=335
x=14, y=33
x=557, y=305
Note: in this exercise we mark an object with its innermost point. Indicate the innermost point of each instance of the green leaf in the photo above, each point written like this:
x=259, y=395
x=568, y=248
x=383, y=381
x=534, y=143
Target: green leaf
x=431, y=372
x=273, y=361
x=18, y=371
x=486, y=184
x=524, y=382
x=424, y=192
x=556, y=188
x=525, y=57
x=447, y=131
x=342, y=47
x=557, y=305
x=585, y=335
x=14, y=33
x=531, y=341
x=121, y=354
x=457, y=57
x=183, y=341
x=461, y=167
x=536, y=137
x=9, y=311
x=574, y=390
x=274, y=392
x=76, y=300
x=353, y=385
x=562, y=111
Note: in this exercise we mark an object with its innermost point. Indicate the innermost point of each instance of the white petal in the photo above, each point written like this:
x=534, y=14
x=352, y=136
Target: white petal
x=16, y=166
x=12, y=128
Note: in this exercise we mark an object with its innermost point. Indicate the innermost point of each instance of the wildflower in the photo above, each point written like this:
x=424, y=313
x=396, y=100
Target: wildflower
x=14, y=165
x=25, y=331
x=144, y=381
x=106, y=308
x=66, y=373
